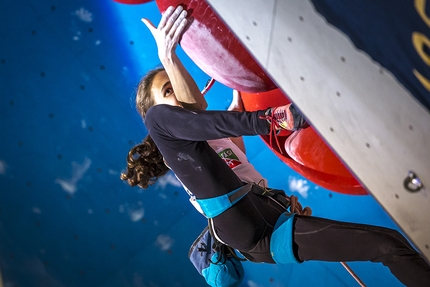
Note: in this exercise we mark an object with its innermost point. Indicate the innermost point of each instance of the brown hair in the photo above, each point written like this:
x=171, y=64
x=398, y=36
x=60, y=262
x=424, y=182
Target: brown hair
x=145, y=164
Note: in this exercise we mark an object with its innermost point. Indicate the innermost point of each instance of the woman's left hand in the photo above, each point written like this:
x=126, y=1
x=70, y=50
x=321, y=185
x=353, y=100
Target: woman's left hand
x=169, y=31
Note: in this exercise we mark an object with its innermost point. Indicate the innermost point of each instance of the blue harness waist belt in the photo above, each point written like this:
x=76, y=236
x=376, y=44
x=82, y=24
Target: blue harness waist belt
x=214, y=206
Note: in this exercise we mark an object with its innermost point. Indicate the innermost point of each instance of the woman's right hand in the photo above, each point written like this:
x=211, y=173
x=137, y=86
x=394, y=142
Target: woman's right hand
x=167, y=35
x=169, y=31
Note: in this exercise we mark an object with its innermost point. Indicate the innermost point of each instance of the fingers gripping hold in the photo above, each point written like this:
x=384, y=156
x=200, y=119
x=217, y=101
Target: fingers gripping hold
x=168, y=33
x=179, y=26
x=165, y=16
x=180, y=18
x=176, y=14
x=172, y=19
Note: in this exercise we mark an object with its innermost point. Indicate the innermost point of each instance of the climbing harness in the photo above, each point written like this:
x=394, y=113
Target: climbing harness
x=214, y=206
x=218, y=262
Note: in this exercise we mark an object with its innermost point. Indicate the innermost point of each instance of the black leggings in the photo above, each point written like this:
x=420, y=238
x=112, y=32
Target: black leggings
x=247, y=226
